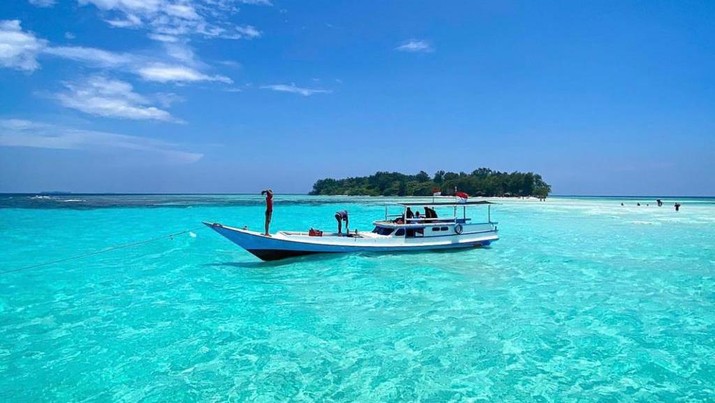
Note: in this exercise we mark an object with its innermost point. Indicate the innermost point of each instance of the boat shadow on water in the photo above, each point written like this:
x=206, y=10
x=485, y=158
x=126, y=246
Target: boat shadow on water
x=257, y=263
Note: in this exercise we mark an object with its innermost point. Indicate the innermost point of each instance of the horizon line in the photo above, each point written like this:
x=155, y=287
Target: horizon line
x=59, y=193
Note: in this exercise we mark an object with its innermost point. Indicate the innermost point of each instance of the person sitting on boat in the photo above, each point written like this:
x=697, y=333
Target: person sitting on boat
x=342, y=216
x=410, y=214
x=430, y=213
x=417, y=216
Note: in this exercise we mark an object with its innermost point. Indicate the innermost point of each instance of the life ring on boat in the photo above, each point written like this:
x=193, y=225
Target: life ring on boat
x=458, y=229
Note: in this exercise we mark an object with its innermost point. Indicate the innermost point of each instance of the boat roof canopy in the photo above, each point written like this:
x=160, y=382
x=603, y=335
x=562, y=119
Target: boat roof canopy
x=446, y=203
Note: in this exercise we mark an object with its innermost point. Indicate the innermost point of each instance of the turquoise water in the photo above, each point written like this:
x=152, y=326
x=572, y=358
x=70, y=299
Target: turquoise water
x=581, y=299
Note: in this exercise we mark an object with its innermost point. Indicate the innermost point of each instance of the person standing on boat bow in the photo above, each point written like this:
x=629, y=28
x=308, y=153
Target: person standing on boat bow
x=342, y=216
x=269, y=208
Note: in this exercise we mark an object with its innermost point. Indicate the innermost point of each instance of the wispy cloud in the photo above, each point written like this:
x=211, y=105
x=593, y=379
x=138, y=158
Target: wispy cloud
x=295, y=90
x=129, y=21
x=179, y=65
x=256, y=2
x=110, y=98
x=165, y=73
x=42, y=3
x=415, y=46
x=248, y=32
x=18, y=48
x=24, y=133
x=167, y=18
x=94, y=56
x=164, y=38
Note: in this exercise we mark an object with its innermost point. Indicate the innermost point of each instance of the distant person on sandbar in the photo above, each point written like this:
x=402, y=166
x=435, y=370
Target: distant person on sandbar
x=677, y=206
x=660, y=202
x=269, y=208
x=342, y=216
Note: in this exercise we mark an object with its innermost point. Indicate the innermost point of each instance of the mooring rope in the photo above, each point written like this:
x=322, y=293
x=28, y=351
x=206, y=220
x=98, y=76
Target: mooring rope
x=97, y=252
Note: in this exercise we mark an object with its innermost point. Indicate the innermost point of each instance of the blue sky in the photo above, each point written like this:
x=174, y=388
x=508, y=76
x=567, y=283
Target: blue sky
x=601, y=98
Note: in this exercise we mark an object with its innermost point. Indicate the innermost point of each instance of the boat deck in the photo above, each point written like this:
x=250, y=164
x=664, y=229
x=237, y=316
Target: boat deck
x=288, y=234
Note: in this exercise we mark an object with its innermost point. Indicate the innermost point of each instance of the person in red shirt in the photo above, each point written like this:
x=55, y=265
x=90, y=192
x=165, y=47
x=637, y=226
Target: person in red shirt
x=269, y=208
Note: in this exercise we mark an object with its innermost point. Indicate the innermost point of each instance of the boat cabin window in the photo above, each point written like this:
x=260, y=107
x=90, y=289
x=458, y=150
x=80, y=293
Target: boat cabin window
x=400, y=232
x=415, y=232
x=383, y=230
x=436, y=229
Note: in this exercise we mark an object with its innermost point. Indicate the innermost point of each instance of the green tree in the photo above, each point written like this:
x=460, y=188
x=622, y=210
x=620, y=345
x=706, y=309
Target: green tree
x=480, y=182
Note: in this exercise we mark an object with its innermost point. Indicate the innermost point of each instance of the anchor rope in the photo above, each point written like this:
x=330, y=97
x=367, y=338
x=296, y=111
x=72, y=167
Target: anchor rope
x=97, y=252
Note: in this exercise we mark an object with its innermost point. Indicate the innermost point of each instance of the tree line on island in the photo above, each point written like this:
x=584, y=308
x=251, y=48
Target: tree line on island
x=481, y=182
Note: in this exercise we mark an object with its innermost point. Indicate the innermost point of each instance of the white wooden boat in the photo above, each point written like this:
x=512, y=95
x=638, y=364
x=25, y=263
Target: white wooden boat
x=394, y=233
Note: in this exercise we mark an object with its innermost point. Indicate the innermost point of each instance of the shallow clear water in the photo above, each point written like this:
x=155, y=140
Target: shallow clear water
x=580, y=299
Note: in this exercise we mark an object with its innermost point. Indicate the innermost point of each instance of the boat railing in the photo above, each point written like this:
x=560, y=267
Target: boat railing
x=420, y=222
x=431, y=219
x=438, y=220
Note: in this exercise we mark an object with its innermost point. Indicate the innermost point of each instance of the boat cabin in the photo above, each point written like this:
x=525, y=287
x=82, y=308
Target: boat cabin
x=437, y=219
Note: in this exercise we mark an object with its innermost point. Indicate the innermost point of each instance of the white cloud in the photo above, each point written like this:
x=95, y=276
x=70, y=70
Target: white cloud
x=92, y=55
x=415, y=46
x=110, y=98
x=139, y=6
x=230, y=63
x=180, y=52
x=42, y=3
x=166, y=99
x=129, y=21
x=23, y=133
x=170, y=18
x=163, y=73
x=163, y=38
x=257, y=2
x=295, y=90
x=248, y=31
x=18, y=49
x=183, y=11
x=16, y=124
x=180, y=65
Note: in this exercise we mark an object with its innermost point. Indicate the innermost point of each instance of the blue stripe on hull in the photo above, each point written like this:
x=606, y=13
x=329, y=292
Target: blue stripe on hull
x=278, y=254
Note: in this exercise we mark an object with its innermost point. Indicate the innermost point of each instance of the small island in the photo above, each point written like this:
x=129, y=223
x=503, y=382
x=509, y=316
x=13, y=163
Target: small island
x=481, y=182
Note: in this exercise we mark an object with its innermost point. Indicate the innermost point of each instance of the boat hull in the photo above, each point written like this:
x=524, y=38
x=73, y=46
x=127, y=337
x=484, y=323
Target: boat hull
x=285, y=245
